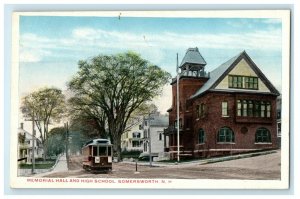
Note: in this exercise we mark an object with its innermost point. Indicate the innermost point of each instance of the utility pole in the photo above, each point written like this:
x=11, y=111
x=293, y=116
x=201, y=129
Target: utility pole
x=33, y=145
x=67, y=143
x=178, y=137
x=149, y=137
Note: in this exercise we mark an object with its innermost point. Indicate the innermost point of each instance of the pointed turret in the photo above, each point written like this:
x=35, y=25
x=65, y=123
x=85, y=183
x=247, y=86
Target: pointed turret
x=192, y=63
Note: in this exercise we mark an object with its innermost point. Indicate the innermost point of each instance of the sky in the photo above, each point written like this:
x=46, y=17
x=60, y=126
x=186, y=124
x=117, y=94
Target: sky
x=50, y=46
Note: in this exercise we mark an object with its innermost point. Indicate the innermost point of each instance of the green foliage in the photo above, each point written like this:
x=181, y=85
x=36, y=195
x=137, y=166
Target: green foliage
x=115, y=86
x=37, y=166
x=76, y=141
x=45, y=105
x=131, y=154
x=56, y=141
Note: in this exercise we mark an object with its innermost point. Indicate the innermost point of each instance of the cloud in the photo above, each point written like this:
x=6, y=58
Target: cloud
x=87, y=40
x=272, y=21
x=164, y=101
x=32, y=55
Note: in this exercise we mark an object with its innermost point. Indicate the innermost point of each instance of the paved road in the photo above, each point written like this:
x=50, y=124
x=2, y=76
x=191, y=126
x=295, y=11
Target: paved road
x=264, y=167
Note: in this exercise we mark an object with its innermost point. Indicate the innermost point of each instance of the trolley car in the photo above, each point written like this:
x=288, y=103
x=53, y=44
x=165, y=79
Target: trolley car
x=97, y=155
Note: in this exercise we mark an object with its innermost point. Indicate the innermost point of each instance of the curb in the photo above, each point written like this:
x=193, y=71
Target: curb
x=206, y=161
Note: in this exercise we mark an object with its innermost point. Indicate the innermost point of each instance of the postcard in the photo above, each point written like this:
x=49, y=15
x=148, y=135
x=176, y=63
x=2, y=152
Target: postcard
x=150, y=99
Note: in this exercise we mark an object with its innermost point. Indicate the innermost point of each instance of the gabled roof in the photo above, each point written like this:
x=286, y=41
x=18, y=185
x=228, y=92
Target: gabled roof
x=192, y=56
x=160, y=120
x=217, y=75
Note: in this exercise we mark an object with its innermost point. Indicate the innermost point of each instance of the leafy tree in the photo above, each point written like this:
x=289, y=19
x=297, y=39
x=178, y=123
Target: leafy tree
x=117, y=85
x=45, y=106
x=56, y=141
x=87, y=118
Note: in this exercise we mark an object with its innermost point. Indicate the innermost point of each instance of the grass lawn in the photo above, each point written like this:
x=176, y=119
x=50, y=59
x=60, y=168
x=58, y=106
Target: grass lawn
x=46, y=165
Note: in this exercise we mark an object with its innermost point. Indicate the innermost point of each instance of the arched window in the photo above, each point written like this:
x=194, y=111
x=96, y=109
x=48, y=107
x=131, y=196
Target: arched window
x=225, y=134
x=201, y=136
x=262, y=135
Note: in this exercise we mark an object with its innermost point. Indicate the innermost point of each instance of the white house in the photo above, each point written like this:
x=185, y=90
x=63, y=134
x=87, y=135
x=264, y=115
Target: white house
x=25, y=145
x=153, y=130
x=133, y=139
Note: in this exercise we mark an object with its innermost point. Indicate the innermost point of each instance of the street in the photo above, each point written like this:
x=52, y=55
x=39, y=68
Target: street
x=263, y=167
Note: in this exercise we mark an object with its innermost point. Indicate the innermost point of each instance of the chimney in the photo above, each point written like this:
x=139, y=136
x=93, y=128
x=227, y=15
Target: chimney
x=22, y=125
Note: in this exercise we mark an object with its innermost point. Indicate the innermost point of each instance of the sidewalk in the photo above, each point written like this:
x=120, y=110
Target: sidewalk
x=60, y=166
x=204, y=161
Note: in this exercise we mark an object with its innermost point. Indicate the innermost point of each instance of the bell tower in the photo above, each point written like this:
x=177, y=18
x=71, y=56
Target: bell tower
x=192, y=77
x=193, y=64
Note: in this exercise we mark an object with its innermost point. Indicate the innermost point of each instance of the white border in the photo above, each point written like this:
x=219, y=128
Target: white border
x=21, y=182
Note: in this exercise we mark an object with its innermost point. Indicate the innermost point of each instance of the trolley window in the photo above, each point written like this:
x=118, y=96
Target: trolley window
x=109, y=150
x=102, y=150
x=95, y=151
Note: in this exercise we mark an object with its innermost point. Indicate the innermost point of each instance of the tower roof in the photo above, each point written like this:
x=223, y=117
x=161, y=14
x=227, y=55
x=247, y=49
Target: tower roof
x=194, y=59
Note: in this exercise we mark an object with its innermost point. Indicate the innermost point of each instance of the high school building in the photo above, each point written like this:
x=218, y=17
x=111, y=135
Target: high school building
x=230, y=110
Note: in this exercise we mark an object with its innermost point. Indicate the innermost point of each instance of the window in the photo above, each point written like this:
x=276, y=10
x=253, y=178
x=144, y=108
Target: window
x=136, y=135
x=109, y=150
x=251, y=83
x=262, y=135
x=136, y=143
x=262, y=109
x=268, y=109
x=95, y=153
x=200, y=110
x=224, y=109
x=239, y=108
x=245, y=109
x=180, y=123
x=201, y=136
x=225, y=134
x=145, y=133
x=236, y=81
x=102, y=151
x=145, y=146
x=160, y=136
x=279, y=129
x=257, y=109
x=252, y=108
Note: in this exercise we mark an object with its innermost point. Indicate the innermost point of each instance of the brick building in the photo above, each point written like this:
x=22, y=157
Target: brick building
x=230, y=110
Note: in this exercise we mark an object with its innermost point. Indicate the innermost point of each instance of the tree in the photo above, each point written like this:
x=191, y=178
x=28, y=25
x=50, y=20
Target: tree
x=87, y=118
x=45, y=106
x=56, y=141
x=117, y=85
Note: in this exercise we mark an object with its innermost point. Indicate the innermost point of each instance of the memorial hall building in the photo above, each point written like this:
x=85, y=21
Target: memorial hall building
x=229, y=110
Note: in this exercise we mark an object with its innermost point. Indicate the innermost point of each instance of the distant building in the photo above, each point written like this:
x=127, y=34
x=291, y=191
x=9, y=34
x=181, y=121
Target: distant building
x=229, y=110
x=278, y=110
x=25, y=146
x=132, y=140
x=153, y=133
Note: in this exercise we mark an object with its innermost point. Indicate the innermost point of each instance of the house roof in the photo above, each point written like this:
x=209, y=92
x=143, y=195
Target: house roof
x=219, y=73
x=160, y=120
x=192, y=56
x=28, y=136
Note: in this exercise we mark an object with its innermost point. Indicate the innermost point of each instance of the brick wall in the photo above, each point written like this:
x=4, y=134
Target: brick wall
x=213, y=121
